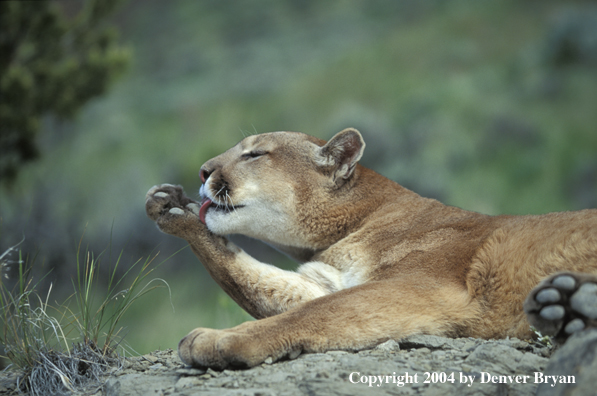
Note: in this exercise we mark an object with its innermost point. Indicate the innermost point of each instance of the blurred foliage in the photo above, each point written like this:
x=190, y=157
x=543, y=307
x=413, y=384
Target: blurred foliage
x=485, y=105
x=50, y=63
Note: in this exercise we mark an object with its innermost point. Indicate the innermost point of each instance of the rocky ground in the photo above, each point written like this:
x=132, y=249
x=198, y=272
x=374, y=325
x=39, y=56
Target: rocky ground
x=419, y=365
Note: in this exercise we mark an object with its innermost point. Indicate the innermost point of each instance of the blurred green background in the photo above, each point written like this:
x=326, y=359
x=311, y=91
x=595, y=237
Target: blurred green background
x=486, y=105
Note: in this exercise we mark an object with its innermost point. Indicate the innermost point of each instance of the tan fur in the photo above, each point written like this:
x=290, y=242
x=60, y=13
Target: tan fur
x=380, y=261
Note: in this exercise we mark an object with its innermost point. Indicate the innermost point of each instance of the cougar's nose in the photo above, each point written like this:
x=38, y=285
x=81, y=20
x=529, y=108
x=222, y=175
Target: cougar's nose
x=204, y=174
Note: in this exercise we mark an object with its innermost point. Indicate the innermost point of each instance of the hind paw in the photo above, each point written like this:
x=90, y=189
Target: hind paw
x=563, y=304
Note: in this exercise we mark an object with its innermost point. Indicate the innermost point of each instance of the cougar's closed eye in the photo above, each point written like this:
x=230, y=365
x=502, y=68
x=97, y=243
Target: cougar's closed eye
x=254, y=154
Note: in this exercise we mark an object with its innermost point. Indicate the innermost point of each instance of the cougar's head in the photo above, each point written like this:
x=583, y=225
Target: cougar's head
x=279, y=186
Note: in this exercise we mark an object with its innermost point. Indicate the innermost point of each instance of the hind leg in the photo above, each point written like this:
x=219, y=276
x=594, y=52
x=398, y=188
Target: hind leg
x=563, y=304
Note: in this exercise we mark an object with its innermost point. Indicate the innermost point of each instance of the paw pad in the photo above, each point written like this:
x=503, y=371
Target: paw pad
x=193, y=207
x=550, y=295
x=563, y=304
x=552, y=312
x=176, y=211
x=574, y=325
x=564, y=282
x=585, y=300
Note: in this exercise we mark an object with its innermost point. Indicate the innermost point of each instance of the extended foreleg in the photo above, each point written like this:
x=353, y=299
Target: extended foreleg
x=352, y=319
x=261, y=289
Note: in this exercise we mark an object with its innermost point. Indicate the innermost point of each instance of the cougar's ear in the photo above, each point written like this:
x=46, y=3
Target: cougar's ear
x=341, y=153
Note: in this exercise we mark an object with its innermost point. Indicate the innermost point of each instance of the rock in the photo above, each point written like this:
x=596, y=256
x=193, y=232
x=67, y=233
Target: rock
x=139, y=384
x=576, y=358
x=184, y=383
x=421, y=365
x=388, y=346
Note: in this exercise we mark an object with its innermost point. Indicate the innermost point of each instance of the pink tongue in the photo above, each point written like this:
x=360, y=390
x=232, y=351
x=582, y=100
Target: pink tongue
x=203, y=210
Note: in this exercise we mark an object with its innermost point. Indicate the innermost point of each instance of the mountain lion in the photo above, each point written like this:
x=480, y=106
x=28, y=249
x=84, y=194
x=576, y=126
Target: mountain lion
x=378, y=261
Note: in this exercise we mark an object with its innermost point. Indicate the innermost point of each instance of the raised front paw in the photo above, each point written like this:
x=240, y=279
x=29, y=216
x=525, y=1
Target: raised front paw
x=172, y=210
x=234, y=347
x=563, y=304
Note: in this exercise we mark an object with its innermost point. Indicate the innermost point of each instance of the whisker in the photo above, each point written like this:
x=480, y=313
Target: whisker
x=228, y=198
x=226, y=202
x=233, y=207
